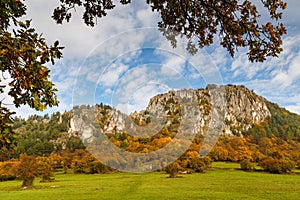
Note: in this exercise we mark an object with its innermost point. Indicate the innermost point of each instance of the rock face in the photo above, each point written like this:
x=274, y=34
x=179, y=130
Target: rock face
x=241, y=107
x=244, y=108
x=228, y=109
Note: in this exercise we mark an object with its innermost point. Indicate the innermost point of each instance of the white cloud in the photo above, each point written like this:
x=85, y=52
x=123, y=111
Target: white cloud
x=294, y=108
x=173, y=66
x=134, y=89
x=219, y=57
x=112, y=75
x=80, y=39
x=146, y=16
x=131, y=82
x=281, y=69
x=65, y=86
x=289, y=74
x=139, y=99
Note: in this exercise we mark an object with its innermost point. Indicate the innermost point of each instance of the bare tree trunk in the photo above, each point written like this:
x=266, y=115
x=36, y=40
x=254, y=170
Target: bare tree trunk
x=28, y=182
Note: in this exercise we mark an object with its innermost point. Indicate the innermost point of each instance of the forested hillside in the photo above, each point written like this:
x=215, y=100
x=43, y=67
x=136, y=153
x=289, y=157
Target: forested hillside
x=255, y=131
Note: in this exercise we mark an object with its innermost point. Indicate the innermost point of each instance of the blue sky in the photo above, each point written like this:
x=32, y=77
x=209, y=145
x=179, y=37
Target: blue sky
x=124, y=60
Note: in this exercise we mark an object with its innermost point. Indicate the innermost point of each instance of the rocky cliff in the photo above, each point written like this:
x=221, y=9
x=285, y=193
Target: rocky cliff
x=227, y=109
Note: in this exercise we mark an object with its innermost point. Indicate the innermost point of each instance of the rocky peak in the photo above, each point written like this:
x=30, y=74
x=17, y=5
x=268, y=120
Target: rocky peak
x=244, y=107
x=235, y=108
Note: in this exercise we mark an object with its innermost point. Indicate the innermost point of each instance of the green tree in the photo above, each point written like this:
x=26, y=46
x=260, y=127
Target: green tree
x=235, y=22
x=23, y=56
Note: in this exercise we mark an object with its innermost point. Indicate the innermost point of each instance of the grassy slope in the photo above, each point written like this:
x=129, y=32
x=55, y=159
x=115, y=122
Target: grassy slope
x=217, y=184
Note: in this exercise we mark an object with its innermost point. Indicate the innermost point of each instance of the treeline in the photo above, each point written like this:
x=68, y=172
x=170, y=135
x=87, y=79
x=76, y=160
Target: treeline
x=42, y=136
x=26, y=167
x=272, y=154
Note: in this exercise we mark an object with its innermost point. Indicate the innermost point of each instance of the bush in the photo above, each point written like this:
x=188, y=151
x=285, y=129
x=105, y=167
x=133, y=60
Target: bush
x=172, y=169
x=247, y=165
x=79, y=166
x=277, y=166
x=44, y=169
x=7, y=170
x=207, y=161
x=87, y=164
x=97, y=167
x=197, y=165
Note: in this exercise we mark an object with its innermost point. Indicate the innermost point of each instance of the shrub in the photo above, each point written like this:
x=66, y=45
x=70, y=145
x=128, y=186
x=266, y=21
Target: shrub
x=276, y=166
x=88, y=164
x=97, y=167
x=44, y=169
x=79, y=166
x=172, y=169
x=197, y=165
x=7, y=170
x=207, y=161
x=247, y=165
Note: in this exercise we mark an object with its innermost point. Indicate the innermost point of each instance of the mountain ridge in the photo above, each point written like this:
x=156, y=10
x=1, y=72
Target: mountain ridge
x=241, y=109
x=248, y=114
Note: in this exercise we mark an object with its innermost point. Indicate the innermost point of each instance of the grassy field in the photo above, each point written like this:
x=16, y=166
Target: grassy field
x=225, y=165
x=214, y=184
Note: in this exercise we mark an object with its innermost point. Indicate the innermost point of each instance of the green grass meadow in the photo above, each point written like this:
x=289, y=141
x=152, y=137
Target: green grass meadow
x=214, y=184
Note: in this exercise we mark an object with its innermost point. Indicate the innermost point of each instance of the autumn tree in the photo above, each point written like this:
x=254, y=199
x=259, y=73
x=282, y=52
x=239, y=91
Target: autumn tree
x=26, y=170
x=232, y=148
x=30, y=167
x=85, y=163
x=24, y=54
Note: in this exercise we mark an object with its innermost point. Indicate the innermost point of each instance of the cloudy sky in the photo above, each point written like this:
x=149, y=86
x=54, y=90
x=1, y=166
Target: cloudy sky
x=124, y=60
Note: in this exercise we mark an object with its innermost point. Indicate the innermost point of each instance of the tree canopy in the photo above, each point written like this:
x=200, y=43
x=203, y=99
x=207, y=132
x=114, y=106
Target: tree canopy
x=235, y=22
x=23, y=57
